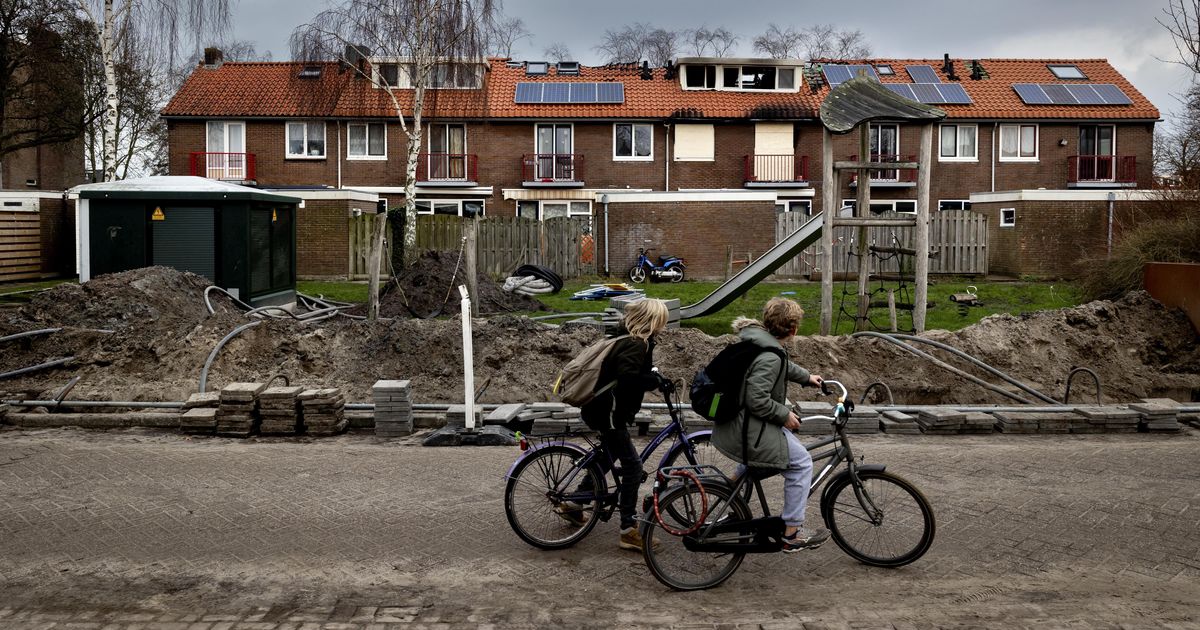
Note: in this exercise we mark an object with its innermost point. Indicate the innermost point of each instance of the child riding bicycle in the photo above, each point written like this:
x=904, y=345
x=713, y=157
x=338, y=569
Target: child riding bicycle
x=761, y=435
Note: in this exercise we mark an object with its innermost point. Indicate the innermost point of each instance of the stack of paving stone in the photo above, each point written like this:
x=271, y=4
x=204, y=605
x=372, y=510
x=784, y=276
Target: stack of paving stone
x=237, y=414
x=899, y=423
x=551, y=417
x=978, y=423
x=504, y=414
x=1182, y=417
x=1113, y=419
x=1157, y=417
x=393, y=408
x=279, y=410
x=863, y=419
x=814, y=408
x=1016, y=421
x=200, y=413
x=941, y=420
x=323, y=411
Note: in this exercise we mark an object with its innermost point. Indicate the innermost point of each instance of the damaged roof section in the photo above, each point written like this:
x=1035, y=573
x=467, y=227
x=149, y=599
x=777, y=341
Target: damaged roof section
x=863, y=99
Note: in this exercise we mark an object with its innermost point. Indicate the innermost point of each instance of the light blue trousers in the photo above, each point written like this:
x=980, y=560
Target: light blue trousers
x=796, y=479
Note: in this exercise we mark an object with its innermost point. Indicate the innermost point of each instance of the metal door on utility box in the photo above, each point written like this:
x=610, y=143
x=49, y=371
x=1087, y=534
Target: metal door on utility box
x=184, y=239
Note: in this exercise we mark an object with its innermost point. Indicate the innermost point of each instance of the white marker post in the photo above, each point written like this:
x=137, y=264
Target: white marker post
x=468, y=358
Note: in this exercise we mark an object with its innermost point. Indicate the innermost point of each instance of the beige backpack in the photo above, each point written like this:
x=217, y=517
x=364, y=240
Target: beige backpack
x=576, y=384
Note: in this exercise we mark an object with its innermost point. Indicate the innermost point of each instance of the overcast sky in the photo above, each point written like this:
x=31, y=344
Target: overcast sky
x=1123, y=31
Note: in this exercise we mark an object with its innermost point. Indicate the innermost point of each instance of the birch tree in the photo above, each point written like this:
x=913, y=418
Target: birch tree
x=167, y=24
x=421, y=38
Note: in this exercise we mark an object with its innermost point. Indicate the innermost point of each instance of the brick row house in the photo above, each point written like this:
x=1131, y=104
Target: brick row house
x=693, y=158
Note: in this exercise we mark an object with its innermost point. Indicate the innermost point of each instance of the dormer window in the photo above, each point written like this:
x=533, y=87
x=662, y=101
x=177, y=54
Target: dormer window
x=536, y=68
x=700, y=77
x=738, y=77
x=1067, y=72
x=397, y=73
x=568, y=68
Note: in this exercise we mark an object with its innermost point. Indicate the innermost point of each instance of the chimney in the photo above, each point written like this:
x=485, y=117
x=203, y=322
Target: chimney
x=976, y=70
x=213, y=57
x=647, y=74
x=948, y=68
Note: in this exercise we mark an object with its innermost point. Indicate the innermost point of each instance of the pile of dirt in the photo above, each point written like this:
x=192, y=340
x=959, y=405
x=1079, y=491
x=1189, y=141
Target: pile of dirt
x=163, y=334
x=430, y=287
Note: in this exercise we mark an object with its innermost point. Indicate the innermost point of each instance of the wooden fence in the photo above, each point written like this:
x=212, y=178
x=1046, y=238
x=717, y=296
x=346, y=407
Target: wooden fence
x=957, y=239
x=502, y=243
x=20, y=245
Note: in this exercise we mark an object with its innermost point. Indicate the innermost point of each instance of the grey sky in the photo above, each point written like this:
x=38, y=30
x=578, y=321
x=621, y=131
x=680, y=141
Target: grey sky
x=1123, y=31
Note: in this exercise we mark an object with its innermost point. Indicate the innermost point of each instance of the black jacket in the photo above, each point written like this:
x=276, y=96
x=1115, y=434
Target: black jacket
x=628, y=363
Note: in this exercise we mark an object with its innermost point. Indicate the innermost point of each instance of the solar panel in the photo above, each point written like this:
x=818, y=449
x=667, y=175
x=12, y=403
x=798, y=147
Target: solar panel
x=1111, y=94
x=927, y=93
x=583, y=92
x=610, y=92
x=1085, y=94
x=528, y=93
x=836, y=74
x=1031, y=94
x=903, y=89
x=922, y=74
x=868, y=70
x=954, y=94
x=1058, y=94
x=556, y=93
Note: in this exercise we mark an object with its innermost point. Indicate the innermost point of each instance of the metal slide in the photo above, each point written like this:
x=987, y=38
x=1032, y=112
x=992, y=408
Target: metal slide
x=775, y=257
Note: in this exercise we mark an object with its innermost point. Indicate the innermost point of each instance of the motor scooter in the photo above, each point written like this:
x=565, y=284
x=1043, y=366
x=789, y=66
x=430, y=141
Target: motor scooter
x=668, y=269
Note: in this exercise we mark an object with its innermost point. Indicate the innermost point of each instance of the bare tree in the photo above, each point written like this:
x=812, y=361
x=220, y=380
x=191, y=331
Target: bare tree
x=814, y=42
x=419, y=37
x=706, y=42
x=41, y=101
x=557, y=52
x=1182, y=21
x=504, y=34
x=662, y=46
x=636, y=42
x=165, y=22
x=1177, y=148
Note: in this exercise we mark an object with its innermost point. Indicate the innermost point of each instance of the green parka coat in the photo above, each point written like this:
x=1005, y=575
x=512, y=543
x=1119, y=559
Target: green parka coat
x=764, y=406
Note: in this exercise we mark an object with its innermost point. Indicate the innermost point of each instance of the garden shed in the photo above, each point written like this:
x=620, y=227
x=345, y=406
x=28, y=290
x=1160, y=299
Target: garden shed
x=241, y=238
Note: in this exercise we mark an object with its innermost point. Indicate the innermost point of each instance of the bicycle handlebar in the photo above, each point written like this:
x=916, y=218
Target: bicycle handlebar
x=825, y=389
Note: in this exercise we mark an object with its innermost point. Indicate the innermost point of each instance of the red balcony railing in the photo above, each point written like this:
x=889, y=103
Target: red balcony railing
x=891, y=175
x=552, y=167
x=776, y=168
x=1118, y=169
x=233, y=166
x=448, y=167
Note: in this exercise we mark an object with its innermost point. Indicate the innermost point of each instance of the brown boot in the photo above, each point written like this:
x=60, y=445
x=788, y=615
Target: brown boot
x=631, y=539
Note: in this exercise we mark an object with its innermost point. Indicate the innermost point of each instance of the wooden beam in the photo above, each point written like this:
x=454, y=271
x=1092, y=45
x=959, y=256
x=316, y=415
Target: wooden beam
x=863, y=211
x=829, y=208
x=874, y=166
x=921, y=231
x=869, y=222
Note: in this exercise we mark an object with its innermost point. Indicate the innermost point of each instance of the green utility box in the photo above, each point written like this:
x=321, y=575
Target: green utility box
x=241, y=238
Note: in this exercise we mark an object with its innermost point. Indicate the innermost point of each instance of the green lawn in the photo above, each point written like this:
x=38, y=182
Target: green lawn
x=338, y=291
x=995, y=297
x=22, y=291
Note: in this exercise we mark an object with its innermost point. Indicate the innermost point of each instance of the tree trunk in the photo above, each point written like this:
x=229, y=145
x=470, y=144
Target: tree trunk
x=374, y=259
x=410, y=178
x=110, y=93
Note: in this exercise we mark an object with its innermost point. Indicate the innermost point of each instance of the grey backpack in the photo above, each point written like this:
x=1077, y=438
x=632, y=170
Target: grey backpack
x=576, y=384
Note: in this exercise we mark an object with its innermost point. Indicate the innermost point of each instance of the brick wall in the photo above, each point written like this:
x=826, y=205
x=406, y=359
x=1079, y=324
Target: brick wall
x=323, y=238
x=1056, y=239
x=699, y=232
x=51, y=166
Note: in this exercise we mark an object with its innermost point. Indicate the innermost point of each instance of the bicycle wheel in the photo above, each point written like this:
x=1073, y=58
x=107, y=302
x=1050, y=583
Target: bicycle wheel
x=666, y=556
x=905, y=527
x=544, y=502
x=703, y=453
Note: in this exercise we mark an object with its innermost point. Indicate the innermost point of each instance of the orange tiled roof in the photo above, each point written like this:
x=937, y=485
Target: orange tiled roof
x=274, y=89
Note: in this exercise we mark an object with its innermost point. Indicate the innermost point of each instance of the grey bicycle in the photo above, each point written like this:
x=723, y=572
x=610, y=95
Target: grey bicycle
x=699, y=523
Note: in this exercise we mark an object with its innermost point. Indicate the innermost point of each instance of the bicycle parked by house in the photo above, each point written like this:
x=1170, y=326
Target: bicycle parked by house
x=700, y=523
x=558, y=489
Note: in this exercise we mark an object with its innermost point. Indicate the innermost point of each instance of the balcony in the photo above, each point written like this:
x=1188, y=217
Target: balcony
x=892, y=177
x=238, y=167
x=775, y=171
x=552, y=170
x=1101, y=171
x=447, y=169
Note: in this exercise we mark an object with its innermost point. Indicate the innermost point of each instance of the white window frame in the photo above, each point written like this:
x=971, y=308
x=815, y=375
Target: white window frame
x=458, y=202
x=366, y=157
x=853, y=203
x=958, y=128
x=541, y=212
x=719, y=78
x=683, y=76
x=225, y=135
x=1037, y=141
x=963, y=203
x=287, y=140
x=1012, y=221
x=404, y=73
x=1054, y=66
x=794, y=205
x=633, y=143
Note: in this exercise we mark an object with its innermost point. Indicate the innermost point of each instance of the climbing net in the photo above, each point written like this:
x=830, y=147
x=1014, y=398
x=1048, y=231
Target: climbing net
x=893, y=258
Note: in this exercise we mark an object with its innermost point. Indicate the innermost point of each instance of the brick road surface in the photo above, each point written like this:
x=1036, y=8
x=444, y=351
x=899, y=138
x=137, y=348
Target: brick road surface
x=141, y=529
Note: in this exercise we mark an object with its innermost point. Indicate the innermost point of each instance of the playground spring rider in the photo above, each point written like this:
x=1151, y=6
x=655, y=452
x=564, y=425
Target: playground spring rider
x=669, y=268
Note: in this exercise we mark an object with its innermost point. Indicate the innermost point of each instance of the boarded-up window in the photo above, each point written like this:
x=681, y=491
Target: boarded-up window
x=694, y=143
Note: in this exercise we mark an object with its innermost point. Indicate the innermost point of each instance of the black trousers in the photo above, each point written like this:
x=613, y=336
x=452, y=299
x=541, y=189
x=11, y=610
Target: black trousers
x=619, y=448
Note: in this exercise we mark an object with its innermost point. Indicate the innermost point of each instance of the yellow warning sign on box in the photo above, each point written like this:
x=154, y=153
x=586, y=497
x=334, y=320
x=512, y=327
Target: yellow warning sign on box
x=274, y=217
x=158, y=215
